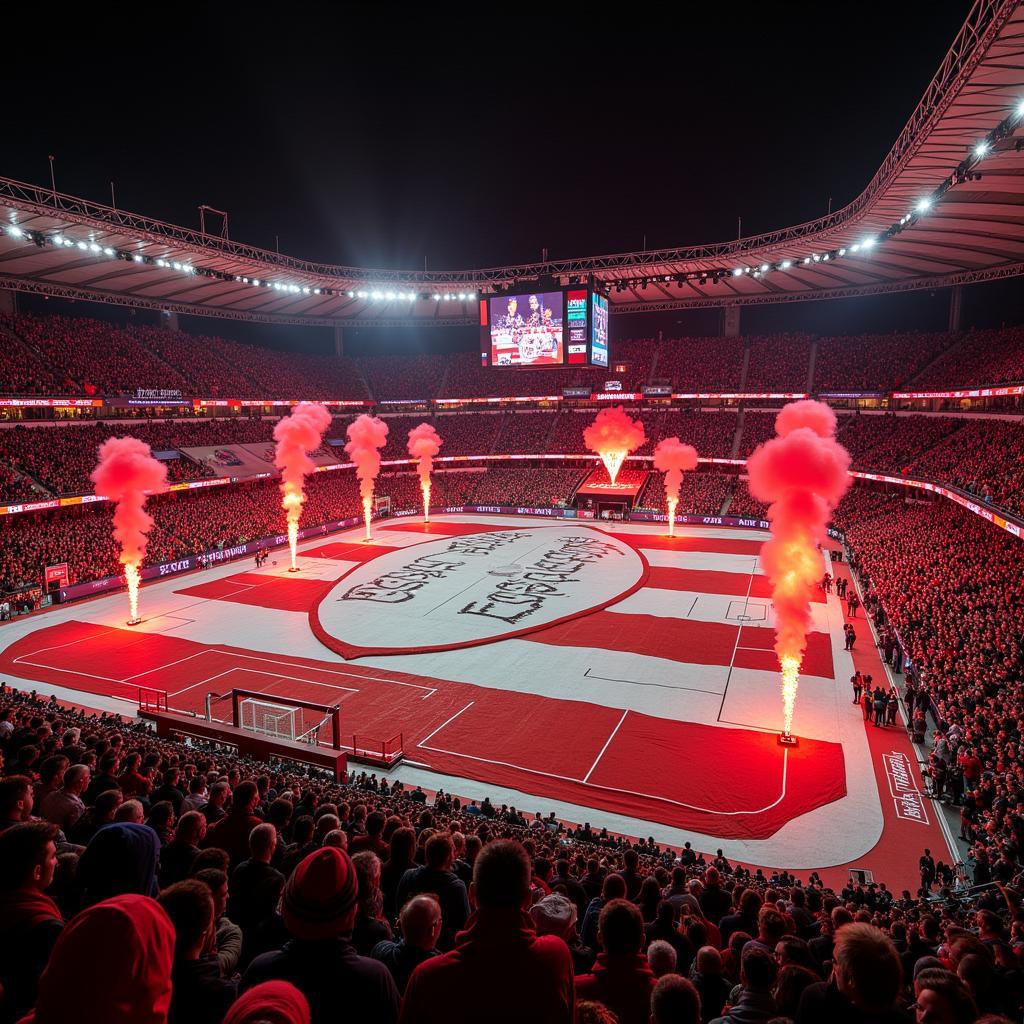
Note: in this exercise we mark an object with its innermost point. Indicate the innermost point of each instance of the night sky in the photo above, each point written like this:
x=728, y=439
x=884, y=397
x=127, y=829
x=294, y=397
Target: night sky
x=383, y=137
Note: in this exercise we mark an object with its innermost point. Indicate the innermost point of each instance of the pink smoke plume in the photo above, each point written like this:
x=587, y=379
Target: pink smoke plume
x=297, y=435
x=424, y=444
x=802, y=473
x=366, y=436
x=613, y=435
x=126, y=473
x=672, y=458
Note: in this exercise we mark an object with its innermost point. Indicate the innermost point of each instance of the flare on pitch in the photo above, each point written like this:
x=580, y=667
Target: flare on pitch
x=673, y=458
x=613, y=435
x=424, y=444
x=296, y=436
x=802, y=473
x=366, y=436
x=127, y=474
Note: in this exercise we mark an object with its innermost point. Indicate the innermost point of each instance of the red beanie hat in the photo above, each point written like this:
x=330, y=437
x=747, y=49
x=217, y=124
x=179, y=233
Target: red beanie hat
x=320, y=893
x=273, y=1002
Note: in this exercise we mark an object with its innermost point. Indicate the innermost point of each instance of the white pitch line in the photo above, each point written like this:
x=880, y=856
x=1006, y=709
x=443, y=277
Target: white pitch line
x=443, y=724
x=607, y=742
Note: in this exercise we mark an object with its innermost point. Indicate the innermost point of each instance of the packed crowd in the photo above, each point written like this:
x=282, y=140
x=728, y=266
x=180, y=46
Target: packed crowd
x=875, y=362
x=214, y=889
x=979, y=357
x=82, y=356
x=701, y=493
x=952, y=588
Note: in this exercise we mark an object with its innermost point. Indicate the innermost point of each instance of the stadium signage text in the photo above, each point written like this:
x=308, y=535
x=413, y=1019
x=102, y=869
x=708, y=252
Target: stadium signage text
x=903, y=788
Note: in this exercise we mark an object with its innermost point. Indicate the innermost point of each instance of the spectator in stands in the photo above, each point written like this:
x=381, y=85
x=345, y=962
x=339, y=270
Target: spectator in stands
x=65, y=806
x=232, y=832
x=120, y=858
x=371, y=926
x=709, y=981
x=498, y=962
x=622, y=978
x=178, y=857
x=755, y=1004
x=942, y=996
x=15, y=801
x=255, y=886
x=865, y=984
x=273, y=1002
x=137, y=938
x=30, y=921
x=319, y=910
x=438, y=878
x=420, y=924
x=676, y=1001
x=199, y=995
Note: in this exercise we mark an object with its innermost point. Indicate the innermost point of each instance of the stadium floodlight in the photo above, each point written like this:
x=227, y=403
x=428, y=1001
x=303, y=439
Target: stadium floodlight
x=462, y=296
x=868, y=242
x=470, y=295
x=57, y=240
x=815, y=257
x=842, y=252
x=825, y=258
x=738, y=272
x=785, y=264
x=1020, y=109
x=924, y=205
x=14, y=231
x=93, y=247
x=256, y=282
x=981, y=148
x=137, y=257
x=177, y=266
x=305, y=291
x=807, y=259
x=437, y=298
x=316, y=291
x=108, y=251
x=764, y=268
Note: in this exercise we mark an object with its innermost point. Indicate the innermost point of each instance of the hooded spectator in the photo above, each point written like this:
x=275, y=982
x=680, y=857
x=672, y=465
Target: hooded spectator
x=137, y=938
x=120, y=858
x=273, y=1002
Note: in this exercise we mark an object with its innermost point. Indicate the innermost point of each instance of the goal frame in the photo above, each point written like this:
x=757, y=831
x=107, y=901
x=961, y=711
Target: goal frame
x=332, y=711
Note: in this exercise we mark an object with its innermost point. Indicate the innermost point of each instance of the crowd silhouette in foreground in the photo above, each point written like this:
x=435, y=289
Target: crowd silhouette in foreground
x=147, y=880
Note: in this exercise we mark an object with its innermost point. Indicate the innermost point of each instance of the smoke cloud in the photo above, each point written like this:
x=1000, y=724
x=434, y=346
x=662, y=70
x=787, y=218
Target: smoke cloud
x=673, y=458
x=613, y=435
x=366, y=436
x=424, y=444
x=126, y=473
x=296, y=435
x=802, y=473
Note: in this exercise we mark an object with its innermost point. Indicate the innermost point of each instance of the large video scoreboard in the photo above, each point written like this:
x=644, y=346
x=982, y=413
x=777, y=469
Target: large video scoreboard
x=564, y=327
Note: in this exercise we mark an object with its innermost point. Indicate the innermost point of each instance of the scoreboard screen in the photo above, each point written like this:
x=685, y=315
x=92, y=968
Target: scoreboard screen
x=565, y=327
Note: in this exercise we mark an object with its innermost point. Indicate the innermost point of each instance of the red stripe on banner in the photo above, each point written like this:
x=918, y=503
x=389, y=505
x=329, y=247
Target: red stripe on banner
x=446, y=528
x=686, y=640
x=280, y=592
x=711, y=581
x=517, y=740
x=346, y=551
x=682, y=544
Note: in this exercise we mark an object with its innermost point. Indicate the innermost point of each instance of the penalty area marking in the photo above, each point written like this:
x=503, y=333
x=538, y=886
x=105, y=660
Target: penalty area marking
x=595, y=785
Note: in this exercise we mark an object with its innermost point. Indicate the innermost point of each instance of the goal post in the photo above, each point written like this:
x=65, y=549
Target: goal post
x=286, y=718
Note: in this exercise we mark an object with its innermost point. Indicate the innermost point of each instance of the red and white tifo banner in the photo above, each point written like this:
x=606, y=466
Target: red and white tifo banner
x=906, y=796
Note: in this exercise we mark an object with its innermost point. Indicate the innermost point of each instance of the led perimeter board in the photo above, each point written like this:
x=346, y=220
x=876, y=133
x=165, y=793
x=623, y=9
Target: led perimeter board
x=560, y=327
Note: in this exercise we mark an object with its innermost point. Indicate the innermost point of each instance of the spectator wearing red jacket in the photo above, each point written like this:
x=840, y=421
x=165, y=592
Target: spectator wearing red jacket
x=501, y=970
x=231, y=833
x=622, y=978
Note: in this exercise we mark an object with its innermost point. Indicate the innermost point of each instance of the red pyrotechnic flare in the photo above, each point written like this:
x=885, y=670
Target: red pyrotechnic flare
x=126, y=473
x=802, y=473
x=297, y=435
x=424, y=444
x=366, y=436
x=613, y=435
x=672, y=457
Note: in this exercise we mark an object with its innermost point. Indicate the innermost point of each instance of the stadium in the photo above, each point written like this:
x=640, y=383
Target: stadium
x=643, y=630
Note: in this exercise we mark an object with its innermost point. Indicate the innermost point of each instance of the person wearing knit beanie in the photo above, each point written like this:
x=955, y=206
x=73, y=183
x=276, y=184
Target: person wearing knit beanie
x=318, y=907
x=319, y=899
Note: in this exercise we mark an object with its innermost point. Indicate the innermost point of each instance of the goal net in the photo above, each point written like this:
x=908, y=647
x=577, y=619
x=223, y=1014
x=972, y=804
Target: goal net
x=269, y=719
